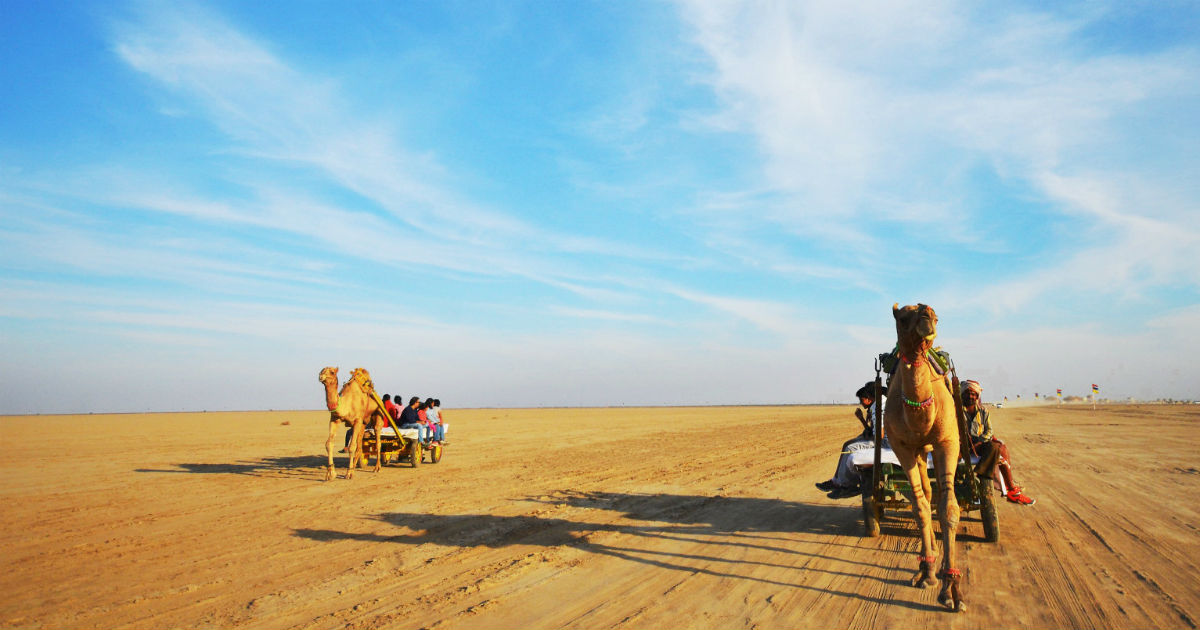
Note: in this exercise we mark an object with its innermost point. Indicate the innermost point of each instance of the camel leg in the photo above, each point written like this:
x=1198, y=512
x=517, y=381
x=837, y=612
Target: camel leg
x=913, y=464
x=333, y=430
x=945, y=460
x=378, y=447
x=355, y=448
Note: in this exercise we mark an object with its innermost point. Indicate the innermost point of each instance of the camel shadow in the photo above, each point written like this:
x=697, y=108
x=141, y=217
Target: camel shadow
x=661, y=521
x=284, y=466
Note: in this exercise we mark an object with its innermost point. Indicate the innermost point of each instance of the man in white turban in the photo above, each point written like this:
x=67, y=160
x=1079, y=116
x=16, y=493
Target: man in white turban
x=993, y=454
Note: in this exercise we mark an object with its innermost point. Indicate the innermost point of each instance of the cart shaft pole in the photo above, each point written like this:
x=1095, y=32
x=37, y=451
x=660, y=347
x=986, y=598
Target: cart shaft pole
x=875, y=470
x=964, y=436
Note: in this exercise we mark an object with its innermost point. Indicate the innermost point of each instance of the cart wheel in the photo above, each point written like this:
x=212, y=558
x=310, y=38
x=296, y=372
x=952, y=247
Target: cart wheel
x=988, y=512
x=872, y=513
x=414, y=453
x=435, y=454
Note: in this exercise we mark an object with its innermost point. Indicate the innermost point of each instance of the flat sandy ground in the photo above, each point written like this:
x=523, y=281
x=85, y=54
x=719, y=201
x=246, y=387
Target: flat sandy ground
x=578, y=518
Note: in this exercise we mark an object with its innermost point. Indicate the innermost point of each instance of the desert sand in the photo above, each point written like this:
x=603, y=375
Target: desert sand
x=578, y=518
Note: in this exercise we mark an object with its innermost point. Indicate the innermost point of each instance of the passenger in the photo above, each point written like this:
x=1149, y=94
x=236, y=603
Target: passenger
x=441, y=426
x=433, y=415
x=846, y=481
x=410, y=420
x=993, y=454
x=423, y=418
x=392, y=408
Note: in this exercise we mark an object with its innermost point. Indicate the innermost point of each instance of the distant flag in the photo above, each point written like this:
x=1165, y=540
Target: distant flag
x=1095, y=388
x=1060, y=395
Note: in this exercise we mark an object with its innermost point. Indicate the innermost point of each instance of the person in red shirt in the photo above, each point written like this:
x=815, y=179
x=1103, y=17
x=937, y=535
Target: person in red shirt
x=392, y=408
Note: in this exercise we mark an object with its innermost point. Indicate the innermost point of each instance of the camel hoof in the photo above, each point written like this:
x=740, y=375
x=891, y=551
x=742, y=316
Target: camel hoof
x=951, y=596
x=959, y=606
x=328, y=474
x=924, y=581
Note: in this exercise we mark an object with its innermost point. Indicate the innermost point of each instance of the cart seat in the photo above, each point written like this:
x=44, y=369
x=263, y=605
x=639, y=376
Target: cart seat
x=862, y=455
x=409, y=434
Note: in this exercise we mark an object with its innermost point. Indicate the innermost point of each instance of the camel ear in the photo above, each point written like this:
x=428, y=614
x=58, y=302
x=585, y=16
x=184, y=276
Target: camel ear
x=896, y=310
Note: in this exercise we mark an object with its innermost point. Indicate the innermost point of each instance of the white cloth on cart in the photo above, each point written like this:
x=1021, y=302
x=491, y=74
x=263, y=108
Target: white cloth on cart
x=409, y=434
x=862, y=454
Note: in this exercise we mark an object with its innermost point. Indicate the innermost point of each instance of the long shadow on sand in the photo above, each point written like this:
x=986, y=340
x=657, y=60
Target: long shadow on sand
x=265, y=467
x=724, y=513
x=662, y=520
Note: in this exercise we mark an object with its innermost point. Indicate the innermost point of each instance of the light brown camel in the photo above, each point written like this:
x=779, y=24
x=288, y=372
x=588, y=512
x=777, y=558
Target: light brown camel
x=920, y=415
x=355, y=406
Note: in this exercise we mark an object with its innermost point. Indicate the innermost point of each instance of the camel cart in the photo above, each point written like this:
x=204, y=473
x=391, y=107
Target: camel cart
x=396, y=444
x=885, y=486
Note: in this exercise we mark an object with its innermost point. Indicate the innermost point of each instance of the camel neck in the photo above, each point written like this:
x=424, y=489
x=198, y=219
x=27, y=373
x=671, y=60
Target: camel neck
x=331, y=396
x=916, y=387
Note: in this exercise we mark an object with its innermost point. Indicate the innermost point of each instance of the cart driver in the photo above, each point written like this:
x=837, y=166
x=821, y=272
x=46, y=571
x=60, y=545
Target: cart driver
x=845, y=481
x=993, y=454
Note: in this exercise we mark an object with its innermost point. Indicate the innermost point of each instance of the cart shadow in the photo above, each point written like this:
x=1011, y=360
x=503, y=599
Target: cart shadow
x=290, y=466
x=755, y=524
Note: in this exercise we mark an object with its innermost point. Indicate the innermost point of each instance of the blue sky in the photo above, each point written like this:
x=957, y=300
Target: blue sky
x=572, y=203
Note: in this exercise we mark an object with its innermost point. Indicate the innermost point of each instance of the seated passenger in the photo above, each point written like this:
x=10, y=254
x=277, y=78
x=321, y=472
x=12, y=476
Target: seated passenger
x=423, y=417
x=392, y=408
x=433, y=415
x=410, y=420
x=846, y=480
x=993, y=454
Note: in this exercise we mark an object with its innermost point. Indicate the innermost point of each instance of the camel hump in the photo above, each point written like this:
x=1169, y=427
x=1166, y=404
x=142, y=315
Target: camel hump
x=363, y=377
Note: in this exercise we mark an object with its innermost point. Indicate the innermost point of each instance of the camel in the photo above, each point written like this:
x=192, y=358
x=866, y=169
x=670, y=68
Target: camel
x=923, y=417
x=355, y=406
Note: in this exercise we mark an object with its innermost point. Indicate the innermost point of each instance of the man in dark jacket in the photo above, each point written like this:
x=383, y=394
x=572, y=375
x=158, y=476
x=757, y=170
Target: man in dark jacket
x=409, y=419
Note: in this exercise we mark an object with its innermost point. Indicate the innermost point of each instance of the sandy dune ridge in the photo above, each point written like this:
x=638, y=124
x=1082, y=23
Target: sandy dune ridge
x=579, y=518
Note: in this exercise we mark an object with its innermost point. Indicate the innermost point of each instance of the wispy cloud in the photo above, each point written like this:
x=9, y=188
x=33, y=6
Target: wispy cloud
x=871, y=131
x=275, y=111
x=687, y=204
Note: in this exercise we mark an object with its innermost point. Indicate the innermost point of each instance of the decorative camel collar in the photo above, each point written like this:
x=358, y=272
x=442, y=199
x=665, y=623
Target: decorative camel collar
x=918, y=405
x=921, y=359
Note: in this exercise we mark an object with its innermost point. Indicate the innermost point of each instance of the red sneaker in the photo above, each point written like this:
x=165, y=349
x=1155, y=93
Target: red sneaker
x=1016, y=496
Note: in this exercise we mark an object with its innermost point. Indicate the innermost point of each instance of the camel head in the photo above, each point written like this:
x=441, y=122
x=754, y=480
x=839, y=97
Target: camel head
x=328, y=374
x=916, y=327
